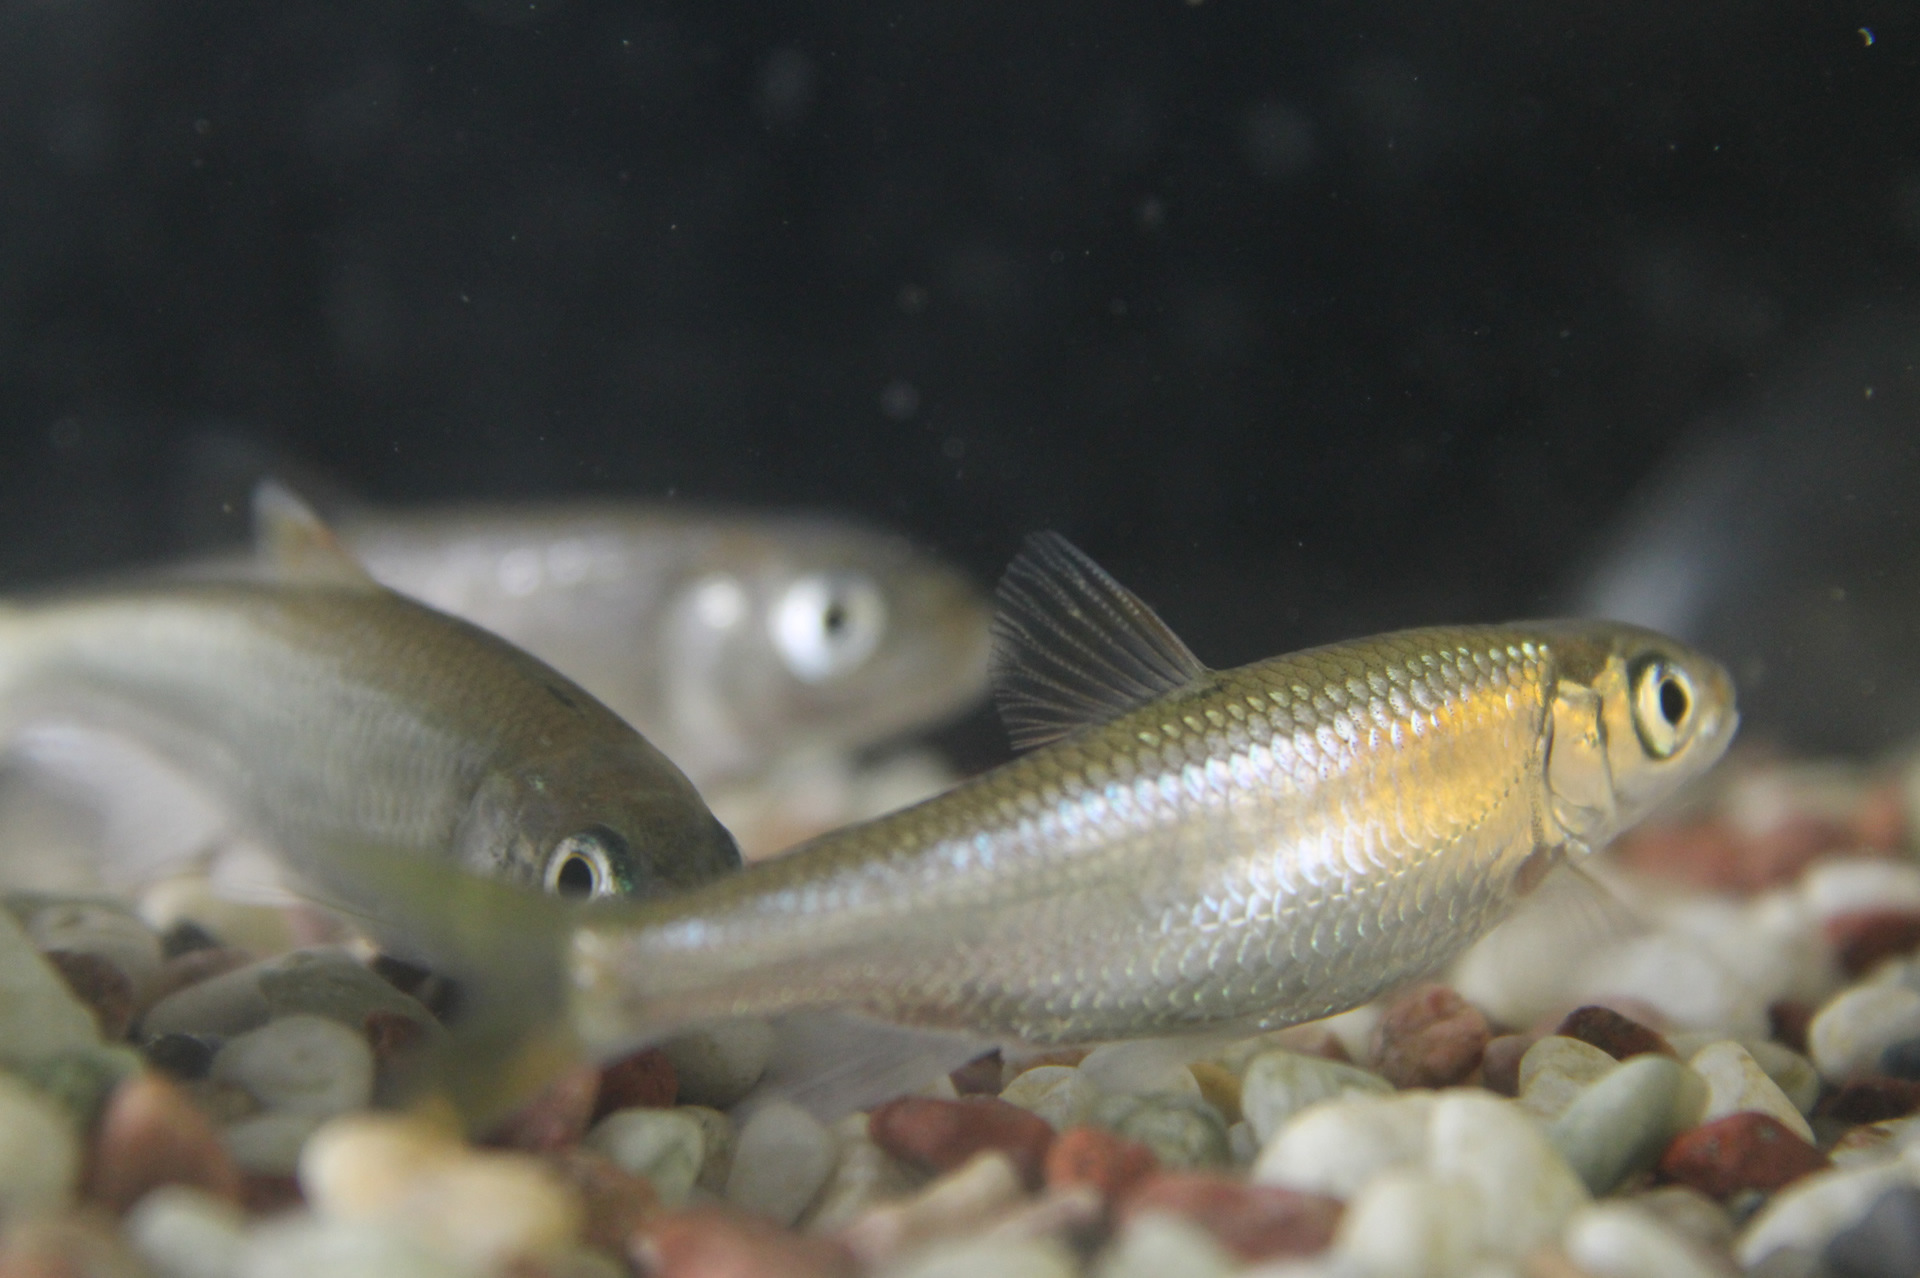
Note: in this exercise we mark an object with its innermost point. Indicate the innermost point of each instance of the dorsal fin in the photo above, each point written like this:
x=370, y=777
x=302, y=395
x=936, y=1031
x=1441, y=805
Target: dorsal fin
x=296, y=545
x=1073, y=647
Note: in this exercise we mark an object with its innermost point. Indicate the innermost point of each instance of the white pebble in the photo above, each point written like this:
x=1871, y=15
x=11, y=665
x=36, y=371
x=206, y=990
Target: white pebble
x=780, y=1163
x=1849, y=1034
x=1138, y=1069
x=1736, y=1084
x=978, y=1257
x=182, y=1232
x=38, y=1013
x=39, y=1151
x=1058, y=1093
x=1681, y=979
x=1773, y=945
x=1791, y=1072
x=301, y=1246
x=664, y=1145
x=1278, y=1085
x=1337, y=1146
x=1555, y=1070
x=1156, y=1244
x=304, y=1064
x=720, y=1063
x=1844, y=885
x=1807, y=1213
x=1614, y=1240
x=1410, y=1223
x=1525, y=1189
x=863, y=1175
x=976, y=1191
x=270, y=1143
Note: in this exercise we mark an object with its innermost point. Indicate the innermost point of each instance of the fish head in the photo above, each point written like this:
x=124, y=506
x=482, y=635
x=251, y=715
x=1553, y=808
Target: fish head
x=1636, y=715
x=818, y=636
x=612, y=819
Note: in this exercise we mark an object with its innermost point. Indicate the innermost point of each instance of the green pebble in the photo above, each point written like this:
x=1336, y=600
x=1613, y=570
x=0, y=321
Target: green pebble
x=80, y=1079
x=1621, y=1124
x=1184, y=1132
x=1280, y=1084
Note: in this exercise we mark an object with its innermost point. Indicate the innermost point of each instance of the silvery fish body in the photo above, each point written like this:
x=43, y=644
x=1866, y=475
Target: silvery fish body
x=1245, y=848
x=734, y=641
x=325, y=711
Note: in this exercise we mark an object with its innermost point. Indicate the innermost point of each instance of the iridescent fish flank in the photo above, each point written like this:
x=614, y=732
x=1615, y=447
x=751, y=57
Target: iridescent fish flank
x=1187, y=849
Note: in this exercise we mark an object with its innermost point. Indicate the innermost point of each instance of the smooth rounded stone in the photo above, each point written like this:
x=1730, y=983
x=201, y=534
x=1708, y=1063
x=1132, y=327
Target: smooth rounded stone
x=79, y=1080
x=1736, y=1084
x=1525, y=1188
x=664, y=1145
x=1278, y=1085
x=300, y=1064
x=1738, y=1154
x=1806, y=1214
x=863, y=1175
x=643, y=1080
x=151, y=1135
x=103, y=987
x=104, y=929
x=1621, y=1124
x=1182, y=1131
x=1679, y=978
x=719, y=1064
x=614, y=1204
x=38, y=1013
x=39, y=1151
x=1337, y=1146
x=1428, y=1036
x=1843, y=885
x=712, y=1242
x=1242, y=1145
x=1058, y=1093
x=718, y=1138
x=1791, y=1072
x=1689, y=1213
x=184, y=1232
x=1138, y=1069
x=1409, y=1221
x=938, y=1135
x=981, y=1257
x=780, y=1163
x=224, y=1005
x=1254, y=1222
x=1618, y=1035
x=1885, y=1243
x=333, y=983
x=484, y=1207
x=966, y=1197
x=1850, y=1033
x=1158, y=1244
x=1773, y=943
x=1616, y=1240
x=303, y=1246
x=1556, y=1069
x=1093, y=1156
x=270, y=1144
x=189, y=898
x=1871, y=1143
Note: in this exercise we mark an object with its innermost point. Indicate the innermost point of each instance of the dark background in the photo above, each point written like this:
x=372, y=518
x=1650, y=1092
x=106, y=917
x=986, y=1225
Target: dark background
x=1306, y=317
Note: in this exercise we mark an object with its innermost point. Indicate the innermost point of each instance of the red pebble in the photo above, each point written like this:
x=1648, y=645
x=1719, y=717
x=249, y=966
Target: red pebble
x=712, y=1242
x=1863, y=938
x=101, y=986
x=150, y=1135
x=1880, y=822
x=1094, y=1156
x=1255, y=1222
x=554, y=1119
x=644, y=1080
x=262, y=1195
x=617, y=1202
x=1500, y=1063
x=1429, y=1037
x=1740, y=1151
x=939, y=1135
x=1616, y=1035
x=1872, y=1099
x=391, y=1034
x=1788, y=1020
x=979, y=1077
x=1712, y=854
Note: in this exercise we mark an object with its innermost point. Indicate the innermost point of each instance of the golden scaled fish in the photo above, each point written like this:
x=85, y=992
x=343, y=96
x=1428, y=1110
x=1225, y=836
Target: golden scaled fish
x=323, y=710
x=1185, y=849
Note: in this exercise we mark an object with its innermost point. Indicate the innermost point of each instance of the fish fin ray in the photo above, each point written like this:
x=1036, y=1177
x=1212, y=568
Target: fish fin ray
x=297, y=544
x=1074, y=647
x=831, y=1062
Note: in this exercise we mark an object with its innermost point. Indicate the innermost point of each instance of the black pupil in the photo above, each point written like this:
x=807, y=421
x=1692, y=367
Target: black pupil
x=576, y=876
x=1673, y=701
x=835, y=618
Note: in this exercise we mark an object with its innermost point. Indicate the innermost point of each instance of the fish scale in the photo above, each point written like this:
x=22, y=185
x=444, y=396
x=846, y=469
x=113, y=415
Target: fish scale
x=1255, y=847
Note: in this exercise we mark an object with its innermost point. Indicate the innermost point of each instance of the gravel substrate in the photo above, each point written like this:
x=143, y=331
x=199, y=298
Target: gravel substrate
x=1712, y=1068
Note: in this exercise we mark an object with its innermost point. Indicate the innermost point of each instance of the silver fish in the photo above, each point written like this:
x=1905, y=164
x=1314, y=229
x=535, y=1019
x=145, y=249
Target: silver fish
x=732, y=641
x=323, y=710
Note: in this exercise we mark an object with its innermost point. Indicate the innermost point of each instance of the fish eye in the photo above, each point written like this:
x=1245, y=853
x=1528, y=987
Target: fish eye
x=827, y=624
x=582, y=865
x=1662, y=706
